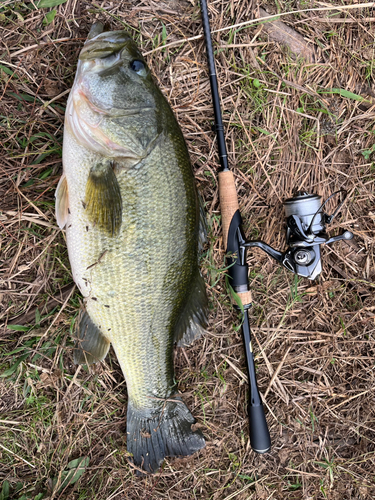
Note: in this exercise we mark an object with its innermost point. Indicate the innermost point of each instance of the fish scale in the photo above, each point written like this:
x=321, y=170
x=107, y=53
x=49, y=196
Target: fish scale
x=136, y=257
x=138, y=275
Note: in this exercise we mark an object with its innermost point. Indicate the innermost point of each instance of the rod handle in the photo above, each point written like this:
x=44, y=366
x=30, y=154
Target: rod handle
x=260, y=439
x=246, y=298
x=228, y=201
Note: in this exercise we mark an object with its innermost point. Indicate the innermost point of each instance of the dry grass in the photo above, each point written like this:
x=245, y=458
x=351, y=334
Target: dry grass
x=282, y=133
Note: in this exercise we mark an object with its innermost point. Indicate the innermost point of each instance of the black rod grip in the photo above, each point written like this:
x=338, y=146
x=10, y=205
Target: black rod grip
x=259, y=434
x=260, y=439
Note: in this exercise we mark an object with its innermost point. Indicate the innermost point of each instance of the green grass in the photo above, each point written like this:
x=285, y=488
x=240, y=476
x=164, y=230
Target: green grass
x=63, y=415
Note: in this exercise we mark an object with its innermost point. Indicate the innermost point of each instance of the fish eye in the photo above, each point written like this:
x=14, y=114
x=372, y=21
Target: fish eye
x=139, y=67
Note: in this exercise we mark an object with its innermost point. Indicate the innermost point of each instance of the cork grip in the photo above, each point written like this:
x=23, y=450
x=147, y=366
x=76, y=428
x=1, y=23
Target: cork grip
x=246, y=298
x=228, y=201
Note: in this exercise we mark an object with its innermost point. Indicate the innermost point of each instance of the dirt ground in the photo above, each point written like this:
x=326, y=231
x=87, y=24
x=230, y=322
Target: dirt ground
x=292, y=121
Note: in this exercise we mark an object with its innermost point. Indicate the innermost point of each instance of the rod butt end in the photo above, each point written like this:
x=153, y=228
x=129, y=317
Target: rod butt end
x=260, y=439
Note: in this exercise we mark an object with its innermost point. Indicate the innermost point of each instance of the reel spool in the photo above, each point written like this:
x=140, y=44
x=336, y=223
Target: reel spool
x=306, y=230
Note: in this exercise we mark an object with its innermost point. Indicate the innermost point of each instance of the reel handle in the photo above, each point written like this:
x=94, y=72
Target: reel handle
x=347, y=235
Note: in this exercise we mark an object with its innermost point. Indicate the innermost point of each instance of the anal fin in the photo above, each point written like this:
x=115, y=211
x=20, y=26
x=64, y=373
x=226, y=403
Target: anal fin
x=91, y=345
x=193, y=319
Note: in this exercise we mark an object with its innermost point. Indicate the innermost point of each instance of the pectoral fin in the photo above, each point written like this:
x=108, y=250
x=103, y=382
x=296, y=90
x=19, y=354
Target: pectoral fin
x=90, y=344
x=62, y=202
x=103, y=198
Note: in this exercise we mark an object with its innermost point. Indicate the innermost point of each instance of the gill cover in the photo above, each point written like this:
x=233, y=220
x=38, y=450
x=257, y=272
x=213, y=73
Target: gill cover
x=106, y=75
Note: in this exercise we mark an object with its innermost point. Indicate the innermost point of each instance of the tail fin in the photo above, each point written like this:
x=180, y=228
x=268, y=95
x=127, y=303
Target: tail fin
x=167, y=432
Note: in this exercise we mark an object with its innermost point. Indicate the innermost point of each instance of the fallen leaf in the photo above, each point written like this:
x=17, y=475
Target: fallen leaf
x=284, y=34
x=51, y=87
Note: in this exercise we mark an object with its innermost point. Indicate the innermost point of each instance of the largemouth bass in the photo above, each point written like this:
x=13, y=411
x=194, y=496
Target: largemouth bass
x=128, y=201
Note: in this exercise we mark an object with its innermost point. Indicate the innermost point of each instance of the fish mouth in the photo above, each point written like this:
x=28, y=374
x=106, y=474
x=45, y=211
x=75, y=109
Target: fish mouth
x=80, y=95
x=105, y=44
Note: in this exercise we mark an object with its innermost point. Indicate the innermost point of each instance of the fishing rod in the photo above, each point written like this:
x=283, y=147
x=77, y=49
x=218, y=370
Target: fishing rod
x=235, y=242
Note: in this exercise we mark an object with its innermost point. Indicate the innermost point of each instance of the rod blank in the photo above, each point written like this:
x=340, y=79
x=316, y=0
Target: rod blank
x=219, y=128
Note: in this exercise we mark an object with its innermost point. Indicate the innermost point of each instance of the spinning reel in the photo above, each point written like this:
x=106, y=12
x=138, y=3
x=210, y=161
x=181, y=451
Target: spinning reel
x=306, y=230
